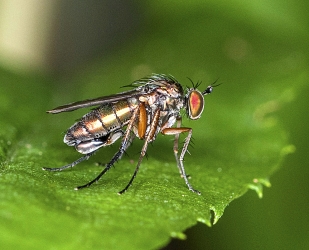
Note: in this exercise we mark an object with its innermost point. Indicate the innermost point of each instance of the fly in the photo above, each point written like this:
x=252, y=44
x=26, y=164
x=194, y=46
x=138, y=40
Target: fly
x=153, y=106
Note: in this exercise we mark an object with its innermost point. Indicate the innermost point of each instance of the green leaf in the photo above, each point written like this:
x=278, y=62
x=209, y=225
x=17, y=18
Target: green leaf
x=238, y=143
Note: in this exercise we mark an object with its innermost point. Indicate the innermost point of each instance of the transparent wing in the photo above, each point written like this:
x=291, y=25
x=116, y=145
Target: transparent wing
x=95, y=102
x=152, y=82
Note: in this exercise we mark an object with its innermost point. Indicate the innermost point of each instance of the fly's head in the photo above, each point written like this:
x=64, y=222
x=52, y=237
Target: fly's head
x=194, y=101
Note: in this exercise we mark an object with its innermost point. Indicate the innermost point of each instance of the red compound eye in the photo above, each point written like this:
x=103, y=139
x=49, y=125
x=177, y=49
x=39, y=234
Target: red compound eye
x=195, y=104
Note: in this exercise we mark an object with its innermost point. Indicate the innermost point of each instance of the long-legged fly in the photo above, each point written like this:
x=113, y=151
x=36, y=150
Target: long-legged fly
x=153, y=106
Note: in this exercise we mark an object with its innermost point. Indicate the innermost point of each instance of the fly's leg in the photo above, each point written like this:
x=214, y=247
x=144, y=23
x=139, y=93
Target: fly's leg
x=88, y=148
x=176, y=143
x=115, y=158
x=115, y=137
x=177, y=131
x=126, y=141
x=131, y=138
x=151, y=134
x=71, y=165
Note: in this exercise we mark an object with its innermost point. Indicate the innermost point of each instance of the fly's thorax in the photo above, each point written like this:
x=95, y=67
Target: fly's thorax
x=149, y=99
x=174, y=104
x=168, y=99
x=173, y=90
x=133, y=103
x=163, y=100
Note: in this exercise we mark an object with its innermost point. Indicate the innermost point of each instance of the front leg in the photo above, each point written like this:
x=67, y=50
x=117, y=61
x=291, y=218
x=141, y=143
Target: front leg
x=177, y=131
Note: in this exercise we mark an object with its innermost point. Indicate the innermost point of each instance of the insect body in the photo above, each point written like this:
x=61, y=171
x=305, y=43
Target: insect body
x=152, y=107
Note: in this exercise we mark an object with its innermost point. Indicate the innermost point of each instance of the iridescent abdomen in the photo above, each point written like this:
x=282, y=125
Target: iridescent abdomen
x=101, y=122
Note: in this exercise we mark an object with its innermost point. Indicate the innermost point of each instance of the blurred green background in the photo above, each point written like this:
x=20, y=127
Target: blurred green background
x=246, y=44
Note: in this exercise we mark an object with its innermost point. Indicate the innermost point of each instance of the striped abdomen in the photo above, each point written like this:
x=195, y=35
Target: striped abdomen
x=101, y=122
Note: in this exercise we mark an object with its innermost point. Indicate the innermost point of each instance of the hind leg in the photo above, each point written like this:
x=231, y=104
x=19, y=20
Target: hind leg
x=86, y=157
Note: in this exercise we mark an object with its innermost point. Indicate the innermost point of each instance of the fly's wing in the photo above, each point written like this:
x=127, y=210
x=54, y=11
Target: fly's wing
x=151, y=82
x=95, y=102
